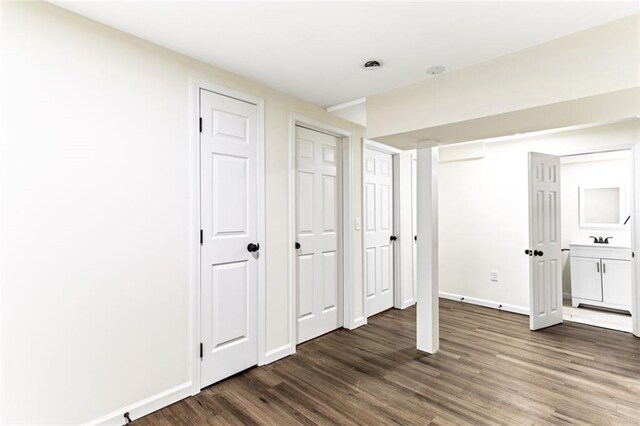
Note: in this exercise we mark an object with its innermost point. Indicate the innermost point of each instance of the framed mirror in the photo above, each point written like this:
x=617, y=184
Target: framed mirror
x=602, y=207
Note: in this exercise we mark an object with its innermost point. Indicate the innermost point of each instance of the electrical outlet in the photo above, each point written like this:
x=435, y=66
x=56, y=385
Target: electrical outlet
x=357, y=224
x=494, y=276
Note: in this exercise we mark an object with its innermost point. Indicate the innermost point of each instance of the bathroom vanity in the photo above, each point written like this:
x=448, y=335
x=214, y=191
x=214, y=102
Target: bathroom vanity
x=601, y=275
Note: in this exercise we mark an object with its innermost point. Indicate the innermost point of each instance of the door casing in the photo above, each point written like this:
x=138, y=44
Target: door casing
x=194, y=223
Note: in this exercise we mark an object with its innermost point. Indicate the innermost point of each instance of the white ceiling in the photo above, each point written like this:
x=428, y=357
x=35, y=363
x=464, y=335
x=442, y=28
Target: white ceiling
x=315, y=51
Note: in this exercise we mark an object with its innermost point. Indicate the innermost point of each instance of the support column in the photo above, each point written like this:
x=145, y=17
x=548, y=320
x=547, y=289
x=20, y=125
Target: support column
x=427, y=317
x=635, y=240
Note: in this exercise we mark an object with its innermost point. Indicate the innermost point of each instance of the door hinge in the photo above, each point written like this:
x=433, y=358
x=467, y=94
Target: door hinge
x=200, y=124
x=201, y=351
x=201, y=237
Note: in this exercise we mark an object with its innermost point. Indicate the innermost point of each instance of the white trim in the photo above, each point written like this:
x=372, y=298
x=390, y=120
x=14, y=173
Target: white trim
x=146, y=406
x=486, y=303
x=348, y=287
x=382, y=147
x=346, y=104
x=635, y=239
x=194, y=224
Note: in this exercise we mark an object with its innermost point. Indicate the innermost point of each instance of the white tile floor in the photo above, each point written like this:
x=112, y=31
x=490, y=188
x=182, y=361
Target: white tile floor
x=597, y=317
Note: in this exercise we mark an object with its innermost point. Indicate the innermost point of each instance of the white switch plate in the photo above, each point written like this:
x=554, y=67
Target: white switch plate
x=494, y=276
x=357, y=223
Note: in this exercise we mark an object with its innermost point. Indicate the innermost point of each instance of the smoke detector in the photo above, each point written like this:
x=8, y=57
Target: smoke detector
x=437, y=69
x=372, y=65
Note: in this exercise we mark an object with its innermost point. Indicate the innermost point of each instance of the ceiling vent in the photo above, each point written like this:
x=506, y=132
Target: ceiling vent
x=372, y=65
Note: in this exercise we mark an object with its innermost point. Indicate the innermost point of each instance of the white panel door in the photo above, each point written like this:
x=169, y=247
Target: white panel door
x=229, y=271
x=414, y=224
x=545, y=272
x=318, y=259
x=378, y=230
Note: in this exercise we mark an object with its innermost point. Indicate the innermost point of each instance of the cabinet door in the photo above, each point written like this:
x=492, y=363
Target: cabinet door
x=586, y=280
x=616, y=281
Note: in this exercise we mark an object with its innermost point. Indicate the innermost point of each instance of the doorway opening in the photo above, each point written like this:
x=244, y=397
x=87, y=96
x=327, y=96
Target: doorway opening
x=596, y=239
x=581, y=239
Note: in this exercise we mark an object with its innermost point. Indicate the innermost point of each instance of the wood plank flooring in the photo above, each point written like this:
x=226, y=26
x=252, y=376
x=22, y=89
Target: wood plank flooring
x=490, y=370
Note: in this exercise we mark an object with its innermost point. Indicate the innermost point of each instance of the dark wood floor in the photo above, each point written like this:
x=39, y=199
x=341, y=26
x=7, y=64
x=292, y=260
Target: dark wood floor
x=490, y=370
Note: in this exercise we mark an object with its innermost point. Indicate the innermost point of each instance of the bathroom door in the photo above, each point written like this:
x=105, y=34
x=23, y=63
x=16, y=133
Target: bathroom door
x=545, y=262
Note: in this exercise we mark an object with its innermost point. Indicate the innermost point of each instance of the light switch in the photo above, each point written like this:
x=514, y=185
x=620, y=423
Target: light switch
x=357, y=223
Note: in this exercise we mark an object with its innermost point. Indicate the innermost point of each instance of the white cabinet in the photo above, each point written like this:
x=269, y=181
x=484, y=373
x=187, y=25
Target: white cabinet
x=586, y=281
x=616, y=282
x=601, y=276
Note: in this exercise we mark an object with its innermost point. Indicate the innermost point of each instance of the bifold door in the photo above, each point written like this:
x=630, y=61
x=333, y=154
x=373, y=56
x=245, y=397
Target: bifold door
x=318, y=258
x=378, y=230
x=229, y=250
x=544, y=250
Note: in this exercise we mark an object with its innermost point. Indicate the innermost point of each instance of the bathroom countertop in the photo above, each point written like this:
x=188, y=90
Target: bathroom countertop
x=592, y=244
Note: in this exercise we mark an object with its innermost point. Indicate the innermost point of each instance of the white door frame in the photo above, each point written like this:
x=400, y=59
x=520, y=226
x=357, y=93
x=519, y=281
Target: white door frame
x=345, y=241
x=634, y=148
x=194, y=222
x=397, y=223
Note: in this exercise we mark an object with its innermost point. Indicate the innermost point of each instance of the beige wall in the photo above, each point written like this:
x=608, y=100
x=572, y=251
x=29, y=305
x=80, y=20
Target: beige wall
x=600, y=60
x=94, y=163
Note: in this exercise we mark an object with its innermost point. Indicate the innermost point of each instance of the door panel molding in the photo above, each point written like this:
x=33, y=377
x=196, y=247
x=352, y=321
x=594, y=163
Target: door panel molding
x=232, y=135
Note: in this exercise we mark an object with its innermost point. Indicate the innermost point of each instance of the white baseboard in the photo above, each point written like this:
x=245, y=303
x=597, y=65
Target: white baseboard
x=278, y=353
x=486, y=303
x=144, y=407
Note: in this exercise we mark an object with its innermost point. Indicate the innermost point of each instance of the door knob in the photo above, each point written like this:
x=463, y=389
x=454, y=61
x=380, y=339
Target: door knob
x=528, y=252
x=393, y=238
x=537, y=253
x=297, y=245
x=252, y=248
x=415, y=238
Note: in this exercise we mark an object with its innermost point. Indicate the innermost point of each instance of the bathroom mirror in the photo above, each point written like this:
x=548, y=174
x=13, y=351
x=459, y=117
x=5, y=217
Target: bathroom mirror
x=602, y=207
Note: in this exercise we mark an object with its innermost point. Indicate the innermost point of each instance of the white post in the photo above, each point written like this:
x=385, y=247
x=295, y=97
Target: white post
x=635, y=241
x=427, y=321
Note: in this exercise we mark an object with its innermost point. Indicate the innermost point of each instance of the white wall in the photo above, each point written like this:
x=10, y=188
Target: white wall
x=484, y=211
x=598, y=170
x=94, y=167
